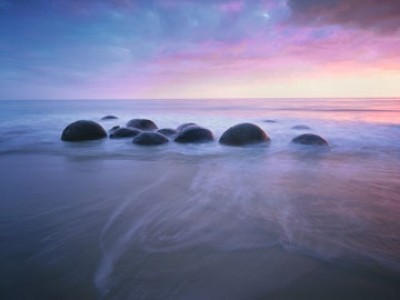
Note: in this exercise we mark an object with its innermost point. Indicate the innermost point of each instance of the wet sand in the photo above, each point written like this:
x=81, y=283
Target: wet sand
x=194, y=227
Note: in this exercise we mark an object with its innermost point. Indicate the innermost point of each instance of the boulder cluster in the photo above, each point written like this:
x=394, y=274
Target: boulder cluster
x=146, y=133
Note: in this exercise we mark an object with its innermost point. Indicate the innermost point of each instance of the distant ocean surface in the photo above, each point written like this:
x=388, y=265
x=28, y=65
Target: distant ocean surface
x=110, y=220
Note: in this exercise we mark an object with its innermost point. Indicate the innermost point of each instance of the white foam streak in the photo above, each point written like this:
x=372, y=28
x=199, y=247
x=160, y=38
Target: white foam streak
x=111, y=255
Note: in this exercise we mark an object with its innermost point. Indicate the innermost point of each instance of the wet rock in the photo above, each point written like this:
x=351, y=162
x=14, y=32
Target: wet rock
x=270, y=121
x=301, y=127
x=83, y=130
x=142, y=124
x=109, y=117
x=167, y=131
x=310, y=139
x=185, y=125
x=244, y=134
x=150, y=139
x=195, y=135
x=121, y=133
x=114, y=128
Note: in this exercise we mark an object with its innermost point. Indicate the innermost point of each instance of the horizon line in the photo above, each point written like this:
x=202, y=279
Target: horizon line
x=183, y=99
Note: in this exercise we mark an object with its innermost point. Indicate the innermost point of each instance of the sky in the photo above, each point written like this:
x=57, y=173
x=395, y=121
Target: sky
x=127, y=49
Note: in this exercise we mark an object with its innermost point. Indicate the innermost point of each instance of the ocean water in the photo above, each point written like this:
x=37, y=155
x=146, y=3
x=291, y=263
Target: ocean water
x=110, y=220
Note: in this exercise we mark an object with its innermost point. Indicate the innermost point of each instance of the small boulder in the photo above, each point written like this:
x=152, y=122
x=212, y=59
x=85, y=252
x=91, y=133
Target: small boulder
x=310, y=139
x=244, y=134
x=142, y=124
x=121, y=133
x=301, y=127
x=185, y=125
x=167, y=131
x=83, y=130
x=150, y=139
x=270, y=121
x=109, y=117
x=195, y=135
x=114, y=128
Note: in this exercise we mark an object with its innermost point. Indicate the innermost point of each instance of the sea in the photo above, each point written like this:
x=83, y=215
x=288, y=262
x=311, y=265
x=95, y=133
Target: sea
x=108, y=219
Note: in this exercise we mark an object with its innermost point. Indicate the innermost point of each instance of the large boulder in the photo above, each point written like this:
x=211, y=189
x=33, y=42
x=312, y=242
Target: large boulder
x=185, y=125
x=150, y=139
x=310, y=139
x=244, y=134
x=167, y=131
x=121, y=133
x=142, y=124
x=109, y=117
x=83, y=130
x=195, y=135
x=301, y=127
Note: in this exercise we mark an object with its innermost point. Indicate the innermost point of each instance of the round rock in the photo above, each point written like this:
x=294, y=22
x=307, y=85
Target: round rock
x=114, y=128
x=310, y=139
x=185, y=125
x=194, y=135
x=167, y=131
x=244, y=134
x=142, y=124
x=83, y=130
x=109, y=117
x=121, y=133
x=301, y=127
x=150, y=139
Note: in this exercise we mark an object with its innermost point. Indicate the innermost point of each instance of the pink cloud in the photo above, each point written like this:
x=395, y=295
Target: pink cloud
x=288, y=53
x=232, y=7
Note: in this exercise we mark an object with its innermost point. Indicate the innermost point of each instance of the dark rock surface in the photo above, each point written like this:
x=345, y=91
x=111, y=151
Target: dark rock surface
x=150, y=139
x=244, y=134
x=142, y=124
x=185, y=125
x=270, y=121
x=109, y=117
x=83, y=130
x=301, y=127
x=310, y=139
x=121, y=133
x=114, y=128
x=195, y=135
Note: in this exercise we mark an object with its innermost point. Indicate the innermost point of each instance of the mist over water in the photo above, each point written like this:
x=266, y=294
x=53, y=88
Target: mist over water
x=110, y=220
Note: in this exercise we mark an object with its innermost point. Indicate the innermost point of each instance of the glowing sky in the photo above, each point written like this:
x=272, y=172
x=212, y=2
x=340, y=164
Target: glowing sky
x=74, y=49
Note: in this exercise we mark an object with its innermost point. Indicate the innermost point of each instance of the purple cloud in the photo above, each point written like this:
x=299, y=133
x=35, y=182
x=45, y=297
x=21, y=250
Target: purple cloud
x=379, y=15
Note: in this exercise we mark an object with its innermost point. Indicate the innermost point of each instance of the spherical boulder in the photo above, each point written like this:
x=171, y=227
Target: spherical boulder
x=301, y=127
x=167, y=131
x=109, y=117
x=195, y=135
x=142, y=124
x=310, y=139
x=185, y=125
x=150, y=139
x=243, y=134
x=121, y=133
x=83, y=130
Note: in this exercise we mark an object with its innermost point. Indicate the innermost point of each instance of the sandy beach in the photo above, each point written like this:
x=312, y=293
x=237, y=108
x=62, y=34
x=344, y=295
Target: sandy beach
x=111, y=220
